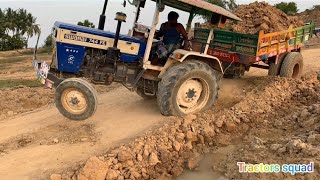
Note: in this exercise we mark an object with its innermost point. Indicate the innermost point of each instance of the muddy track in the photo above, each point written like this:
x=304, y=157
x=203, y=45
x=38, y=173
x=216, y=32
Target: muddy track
x=33, y=144
x=270, y=126
x=53, y=142
x=44, y=139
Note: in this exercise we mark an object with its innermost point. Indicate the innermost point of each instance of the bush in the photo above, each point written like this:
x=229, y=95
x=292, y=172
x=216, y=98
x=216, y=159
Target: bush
x=288, y=8
x=15, y=42
x=47, y=46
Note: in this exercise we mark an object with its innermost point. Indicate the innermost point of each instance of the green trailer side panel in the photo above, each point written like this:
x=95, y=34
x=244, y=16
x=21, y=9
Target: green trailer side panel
x=247, y=44
x=235, y=42
x=229, y=41
x=201, y=35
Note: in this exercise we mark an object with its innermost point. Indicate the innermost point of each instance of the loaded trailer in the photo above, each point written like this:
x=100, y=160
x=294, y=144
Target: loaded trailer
x=279, y=52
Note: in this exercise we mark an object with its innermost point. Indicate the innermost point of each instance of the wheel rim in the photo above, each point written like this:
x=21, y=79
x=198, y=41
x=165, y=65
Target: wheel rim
x=193, y=95
x=296, y=70
x=74, y=101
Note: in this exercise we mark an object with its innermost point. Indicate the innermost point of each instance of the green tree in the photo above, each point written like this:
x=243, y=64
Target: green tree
x=2, y=23
x=86, y=23
x=16, y=27
x=227, y=4
x=316, y=7
x=48, y=41
x=232, y=4
x=288, y=8
x=9, y=20
x=32, y=28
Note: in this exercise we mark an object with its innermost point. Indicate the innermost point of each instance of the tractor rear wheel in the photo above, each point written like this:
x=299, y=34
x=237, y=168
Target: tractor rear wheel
x=76, y=99
x=186, y=88
x=292, y=65
x=274, y=69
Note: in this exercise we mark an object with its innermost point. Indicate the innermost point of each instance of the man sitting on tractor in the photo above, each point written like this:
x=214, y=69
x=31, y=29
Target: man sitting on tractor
x=171, y=31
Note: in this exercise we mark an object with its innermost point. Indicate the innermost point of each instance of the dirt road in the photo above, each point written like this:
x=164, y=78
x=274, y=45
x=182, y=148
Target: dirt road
x=43, y=139
x=35, y=143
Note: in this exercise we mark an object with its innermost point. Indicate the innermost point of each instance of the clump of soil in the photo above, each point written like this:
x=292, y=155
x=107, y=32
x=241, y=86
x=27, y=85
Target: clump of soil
x=286, y=131
x=167, y=151
x=22, y=99
x=259, y=16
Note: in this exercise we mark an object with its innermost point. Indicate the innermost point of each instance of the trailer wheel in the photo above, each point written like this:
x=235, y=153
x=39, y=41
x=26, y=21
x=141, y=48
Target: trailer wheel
x=140, y=92
x=292, y=65
x=189, y=87
x=76, y=99
x=274, y=69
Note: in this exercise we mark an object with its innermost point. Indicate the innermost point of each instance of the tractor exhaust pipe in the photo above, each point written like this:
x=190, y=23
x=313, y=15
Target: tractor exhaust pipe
x=120, y=17
x=102, y=19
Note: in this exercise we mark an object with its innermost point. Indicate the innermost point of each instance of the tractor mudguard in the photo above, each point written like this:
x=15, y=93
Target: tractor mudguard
x=181, y=55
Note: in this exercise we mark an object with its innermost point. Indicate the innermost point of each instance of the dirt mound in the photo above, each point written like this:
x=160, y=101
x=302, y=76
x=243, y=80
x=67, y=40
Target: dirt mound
x=262, y=16
x=286, y=131
x=314, y=42
x=311, y=15
x=167, y=151
x=22, y=99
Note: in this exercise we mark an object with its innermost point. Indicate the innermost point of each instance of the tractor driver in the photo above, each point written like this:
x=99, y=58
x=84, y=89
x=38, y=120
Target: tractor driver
x=171, y=31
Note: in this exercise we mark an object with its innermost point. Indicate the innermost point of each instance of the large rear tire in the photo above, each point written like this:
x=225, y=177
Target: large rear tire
x=186, y=88
x=76, y=99
x=292, y=65
x=274, y=69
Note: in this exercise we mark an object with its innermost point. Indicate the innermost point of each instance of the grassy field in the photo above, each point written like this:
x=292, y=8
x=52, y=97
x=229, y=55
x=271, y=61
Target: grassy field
x=16, y=69
x=7, y=61
x=11, y=83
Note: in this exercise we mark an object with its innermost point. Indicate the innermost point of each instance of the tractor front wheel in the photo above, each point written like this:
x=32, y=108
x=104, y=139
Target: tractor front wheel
x=76, y=99
x=186, y=88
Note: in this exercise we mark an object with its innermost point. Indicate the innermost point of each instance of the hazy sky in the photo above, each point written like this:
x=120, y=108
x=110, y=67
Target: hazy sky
x=72, y=11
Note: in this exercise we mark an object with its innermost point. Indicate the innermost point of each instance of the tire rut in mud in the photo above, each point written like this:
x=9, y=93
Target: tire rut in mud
x=66, y=133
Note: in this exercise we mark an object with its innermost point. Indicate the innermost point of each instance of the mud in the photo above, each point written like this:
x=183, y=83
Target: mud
x=284, y=106
x=23, y=99
x=130, y=138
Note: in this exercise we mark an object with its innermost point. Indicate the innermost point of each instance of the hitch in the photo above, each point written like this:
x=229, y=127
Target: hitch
x=120, y=17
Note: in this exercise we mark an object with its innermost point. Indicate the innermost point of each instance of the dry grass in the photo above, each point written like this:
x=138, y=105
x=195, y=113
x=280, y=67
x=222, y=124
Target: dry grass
x=11, y=83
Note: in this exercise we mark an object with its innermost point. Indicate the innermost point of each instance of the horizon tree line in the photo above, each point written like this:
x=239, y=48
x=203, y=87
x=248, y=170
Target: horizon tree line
x=16, y=28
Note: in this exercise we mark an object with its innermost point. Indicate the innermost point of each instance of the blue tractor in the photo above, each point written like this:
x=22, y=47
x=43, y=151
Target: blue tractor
x=186, y=83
